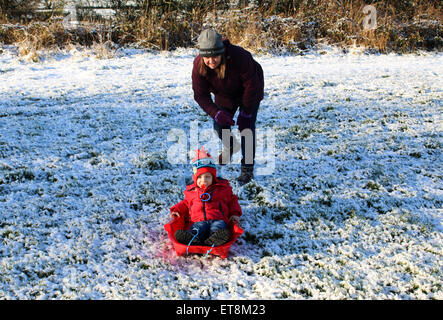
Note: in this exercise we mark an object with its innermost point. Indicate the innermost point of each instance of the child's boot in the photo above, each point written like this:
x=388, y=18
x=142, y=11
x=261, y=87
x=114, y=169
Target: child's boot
x=218, y=238
x=185, y=237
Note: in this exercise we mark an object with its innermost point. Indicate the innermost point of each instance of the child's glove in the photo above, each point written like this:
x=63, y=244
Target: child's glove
x=175, y=214
x=224, y=118
x=235, y=219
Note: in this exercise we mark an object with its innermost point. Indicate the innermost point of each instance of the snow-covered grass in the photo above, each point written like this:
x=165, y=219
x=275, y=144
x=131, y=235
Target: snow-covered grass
x=353, y=209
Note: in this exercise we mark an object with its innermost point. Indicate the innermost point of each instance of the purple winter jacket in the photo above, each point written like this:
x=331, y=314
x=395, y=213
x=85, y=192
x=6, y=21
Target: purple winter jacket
x=243, y=84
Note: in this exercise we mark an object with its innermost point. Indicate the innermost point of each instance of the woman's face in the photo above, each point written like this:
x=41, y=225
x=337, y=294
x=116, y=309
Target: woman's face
x=212, y=62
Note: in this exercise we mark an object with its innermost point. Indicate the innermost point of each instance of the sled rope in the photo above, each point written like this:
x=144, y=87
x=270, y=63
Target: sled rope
x=208, y=251
x=187, y=253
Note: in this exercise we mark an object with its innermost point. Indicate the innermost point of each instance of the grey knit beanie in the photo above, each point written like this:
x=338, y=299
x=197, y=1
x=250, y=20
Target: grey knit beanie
x=210, y=43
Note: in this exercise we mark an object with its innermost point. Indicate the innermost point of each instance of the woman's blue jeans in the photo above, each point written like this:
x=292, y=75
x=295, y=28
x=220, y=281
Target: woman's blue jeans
x=204, y=229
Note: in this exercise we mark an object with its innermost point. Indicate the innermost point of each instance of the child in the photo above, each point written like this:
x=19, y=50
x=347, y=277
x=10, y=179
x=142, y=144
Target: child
x=209, y=205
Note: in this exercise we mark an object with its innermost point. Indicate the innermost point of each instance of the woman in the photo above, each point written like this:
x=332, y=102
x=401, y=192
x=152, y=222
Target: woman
x=236, y=80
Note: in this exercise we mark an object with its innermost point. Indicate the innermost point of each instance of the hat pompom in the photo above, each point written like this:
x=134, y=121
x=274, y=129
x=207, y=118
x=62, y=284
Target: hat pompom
x=201, y=153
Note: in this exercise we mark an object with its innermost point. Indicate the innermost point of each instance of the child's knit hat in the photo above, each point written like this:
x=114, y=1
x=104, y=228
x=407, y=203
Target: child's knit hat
x=202, y=163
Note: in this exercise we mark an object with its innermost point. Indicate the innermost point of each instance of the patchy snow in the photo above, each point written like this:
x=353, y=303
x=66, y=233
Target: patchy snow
x=353, y=209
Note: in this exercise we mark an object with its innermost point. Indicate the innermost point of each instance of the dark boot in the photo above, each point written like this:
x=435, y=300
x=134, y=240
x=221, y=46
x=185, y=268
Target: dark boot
x=247, y=174
x=218, y=238
x=185, y=237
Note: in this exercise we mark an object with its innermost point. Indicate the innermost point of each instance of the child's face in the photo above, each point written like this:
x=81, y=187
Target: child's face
x=204, y=179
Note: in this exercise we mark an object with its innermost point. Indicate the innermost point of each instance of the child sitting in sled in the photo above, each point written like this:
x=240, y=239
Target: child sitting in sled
x=209, y=205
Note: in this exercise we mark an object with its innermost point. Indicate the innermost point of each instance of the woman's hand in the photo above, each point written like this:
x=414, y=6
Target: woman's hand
x=224, y=118
x=244, y=120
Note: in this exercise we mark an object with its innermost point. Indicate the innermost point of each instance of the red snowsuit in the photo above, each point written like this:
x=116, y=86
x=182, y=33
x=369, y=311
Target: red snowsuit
x=222, y=205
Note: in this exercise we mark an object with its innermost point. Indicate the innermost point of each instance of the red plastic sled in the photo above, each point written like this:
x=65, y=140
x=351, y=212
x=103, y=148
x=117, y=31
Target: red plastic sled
x=183, y=249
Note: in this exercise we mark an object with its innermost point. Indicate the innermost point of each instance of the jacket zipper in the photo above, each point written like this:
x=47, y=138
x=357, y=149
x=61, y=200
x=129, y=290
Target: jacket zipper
x=221, y=210
x=204, y=210
x=204, y=207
